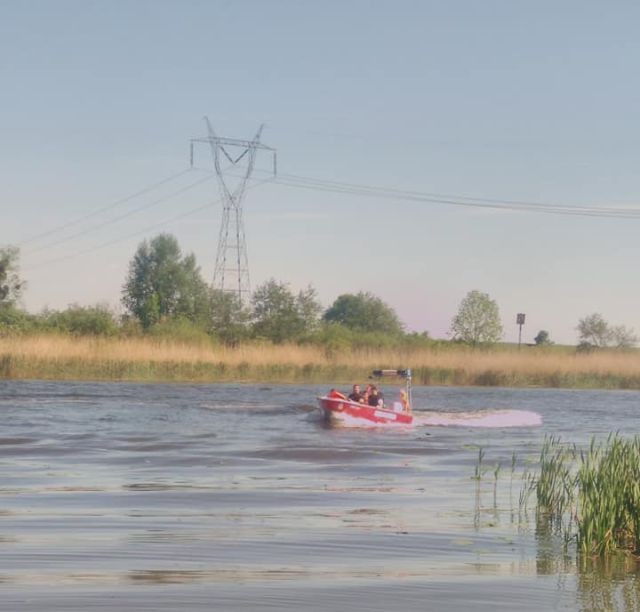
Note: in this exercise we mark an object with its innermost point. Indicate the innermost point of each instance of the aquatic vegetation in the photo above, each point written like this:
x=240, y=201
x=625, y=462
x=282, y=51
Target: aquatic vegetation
x=479, y=470
x=555, y=485
x=511, y=475
x=591, y=497
x=496, y=474
x=609, y=497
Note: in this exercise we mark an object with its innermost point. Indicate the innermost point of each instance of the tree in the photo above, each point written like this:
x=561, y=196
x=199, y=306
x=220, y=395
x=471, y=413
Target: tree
x=594, y=331
x=478, y=320
x=543, y=338
x=363, y=312
x=11, y=286
x=309, y=309
x=623, y=337
x=279, y=315
x=229, y=317
x=163, y=284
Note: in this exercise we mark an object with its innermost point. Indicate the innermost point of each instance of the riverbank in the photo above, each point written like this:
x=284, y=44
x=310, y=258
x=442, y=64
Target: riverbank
x=151, y=360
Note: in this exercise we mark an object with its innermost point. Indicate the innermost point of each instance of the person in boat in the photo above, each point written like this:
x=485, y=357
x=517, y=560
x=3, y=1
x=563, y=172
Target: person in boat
x=337, y=394
x=365, y=394
x=404, y=400
x=375, y=397
x=356, y=395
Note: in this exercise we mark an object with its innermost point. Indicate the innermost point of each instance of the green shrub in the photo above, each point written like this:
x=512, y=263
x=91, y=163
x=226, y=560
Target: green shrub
x=14, y=321
x=180, y=330
x=81, y=321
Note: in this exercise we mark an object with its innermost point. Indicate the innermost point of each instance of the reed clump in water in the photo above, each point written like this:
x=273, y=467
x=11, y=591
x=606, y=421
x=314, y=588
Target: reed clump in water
x=150, y=358
x=592, y=496
x=556, y=485
x=609, y=497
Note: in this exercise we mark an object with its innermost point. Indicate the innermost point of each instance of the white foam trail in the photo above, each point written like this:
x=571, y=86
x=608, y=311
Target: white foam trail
x=350, y=421
x=480, y=418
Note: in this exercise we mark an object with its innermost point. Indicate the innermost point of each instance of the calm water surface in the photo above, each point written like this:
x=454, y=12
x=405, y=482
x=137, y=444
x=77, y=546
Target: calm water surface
x=229, y=497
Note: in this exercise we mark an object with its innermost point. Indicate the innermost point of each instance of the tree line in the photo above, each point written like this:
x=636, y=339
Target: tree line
x=164, y=294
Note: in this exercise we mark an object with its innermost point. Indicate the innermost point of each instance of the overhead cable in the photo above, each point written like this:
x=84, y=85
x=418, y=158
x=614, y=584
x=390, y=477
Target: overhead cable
x=465, y=201
x=98, y=211
x=133, y=211
x=134, y=234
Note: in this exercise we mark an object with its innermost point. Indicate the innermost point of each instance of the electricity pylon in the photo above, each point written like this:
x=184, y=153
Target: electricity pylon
x=231, y=272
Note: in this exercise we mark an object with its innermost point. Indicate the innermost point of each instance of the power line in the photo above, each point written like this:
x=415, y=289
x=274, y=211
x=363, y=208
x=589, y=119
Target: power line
x=306, y=182
x=102, y=224
x=73, y=222
x=120, y=239
x=303, y=182
x=137, y=233
x=317, y=184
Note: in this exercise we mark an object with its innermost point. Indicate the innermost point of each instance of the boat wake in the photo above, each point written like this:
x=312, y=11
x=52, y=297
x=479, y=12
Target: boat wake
x=479, y=418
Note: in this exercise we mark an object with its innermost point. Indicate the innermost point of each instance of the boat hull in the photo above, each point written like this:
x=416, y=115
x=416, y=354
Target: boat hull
x=342, y=412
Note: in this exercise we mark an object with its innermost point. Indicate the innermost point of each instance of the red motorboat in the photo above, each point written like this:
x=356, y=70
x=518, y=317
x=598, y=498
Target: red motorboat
x=339, y=410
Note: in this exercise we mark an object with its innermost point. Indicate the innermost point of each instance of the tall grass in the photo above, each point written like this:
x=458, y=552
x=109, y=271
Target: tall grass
x=609, y=497
x=50, y=356
x=556, y=485
x=592, y=496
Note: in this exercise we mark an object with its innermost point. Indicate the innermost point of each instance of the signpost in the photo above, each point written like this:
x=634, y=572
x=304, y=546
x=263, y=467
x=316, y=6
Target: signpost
x=520, y=321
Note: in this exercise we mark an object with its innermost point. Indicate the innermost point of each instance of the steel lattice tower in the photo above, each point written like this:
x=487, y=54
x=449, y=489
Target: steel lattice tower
x=231, y=272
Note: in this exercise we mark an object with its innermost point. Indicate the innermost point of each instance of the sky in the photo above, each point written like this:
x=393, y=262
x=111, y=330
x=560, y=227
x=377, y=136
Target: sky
x=518, y=101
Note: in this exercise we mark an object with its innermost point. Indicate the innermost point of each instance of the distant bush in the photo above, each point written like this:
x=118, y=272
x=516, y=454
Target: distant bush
x=180, y=330
x=376, y=340
x=81, y=321
x=416, y=340
x=335, y=337
x=586, y=347
x=543, y=338
x=131, y=328
x=15, y=321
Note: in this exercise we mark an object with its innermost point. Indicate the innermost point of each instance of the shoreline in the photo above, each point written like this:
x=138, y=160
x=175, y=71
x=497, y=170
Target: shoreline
x=202, y=373
x=152, y=360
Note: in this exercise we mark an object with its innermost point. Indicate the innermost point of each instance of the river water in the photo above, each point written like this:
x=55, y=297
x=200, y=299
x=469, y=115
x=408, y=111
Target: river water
x=236, y=497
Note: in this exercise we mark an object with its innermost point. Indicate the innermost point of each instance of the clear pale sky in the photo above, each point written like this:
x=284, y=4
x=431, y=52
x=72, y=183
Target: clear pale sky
x=533, y=101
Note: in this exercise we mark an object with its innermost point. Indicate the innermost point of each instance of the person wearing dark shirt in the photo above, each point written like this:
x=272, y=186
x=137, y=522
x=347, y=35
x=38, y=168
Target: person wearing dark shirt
x=356, y=395
x=375, y=397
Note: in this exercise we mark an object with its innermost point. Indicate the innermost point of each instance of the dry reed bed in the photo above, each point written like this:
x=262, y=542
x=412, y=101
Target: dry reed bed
x=529, y=361
x=467, y=363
